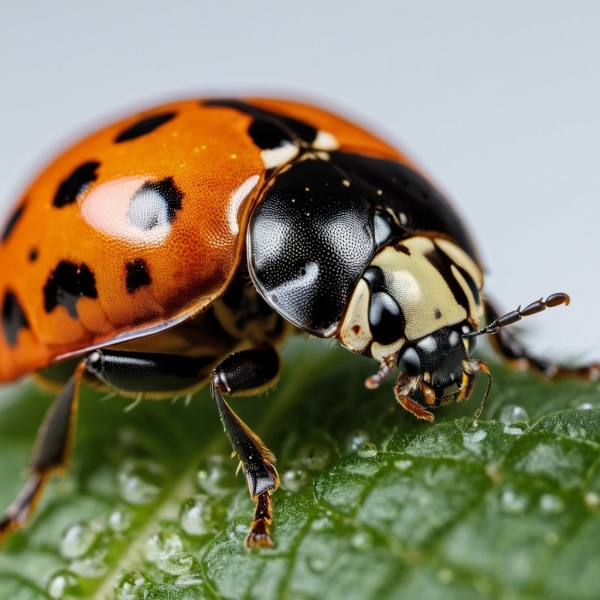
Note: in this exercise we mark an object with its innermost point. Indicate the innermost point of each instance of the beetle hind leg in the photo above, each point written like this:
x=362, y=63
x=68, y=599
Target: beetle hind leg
x=51, y=453
x=516, y=355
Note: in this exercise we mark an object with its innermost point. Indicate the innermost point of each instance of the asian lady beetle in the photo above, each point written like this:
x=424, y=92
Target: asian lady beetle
x=179, y=247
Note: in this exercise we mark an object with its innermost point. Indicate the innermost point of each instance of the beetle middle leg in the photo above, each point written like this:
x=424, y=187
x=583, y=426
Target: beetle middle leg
x=247, y=372
x=244, y=373
x=516, y=355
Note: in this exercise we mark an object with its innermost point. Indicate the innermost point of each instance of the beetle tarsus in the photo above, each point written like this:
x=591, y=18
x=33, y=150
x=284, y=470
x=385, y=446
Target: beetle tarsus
x=259, y=536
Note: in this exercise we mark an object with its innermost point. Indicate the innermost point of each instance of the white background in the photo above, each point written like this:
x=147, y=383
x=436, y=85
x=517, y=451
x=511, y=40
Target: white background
x=498, y=101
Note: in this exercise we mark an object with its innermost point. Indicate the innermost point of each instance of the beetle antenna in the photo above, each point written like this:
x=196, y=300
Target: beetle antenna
x=517, y=315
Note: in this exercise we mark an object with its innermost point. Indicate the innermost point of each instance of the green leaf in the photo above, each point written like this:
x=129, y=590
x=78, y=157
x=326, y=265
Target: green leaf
x=373, y=503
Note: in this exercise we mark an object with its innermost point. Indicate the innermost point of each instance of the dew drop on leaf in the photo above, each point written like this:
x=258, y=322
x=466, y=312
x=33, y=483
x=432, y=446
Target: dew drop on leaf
x=175, y=564
x=216, y=475
x=511, y=413
x=140, y=481
x=201, y=515
x=62, y=584
x=77, y=540
x=293, y=480
x=367, y=450
x=128, y=585
x=314, y=457
x=356, y=439
x=119, y=520
x=162, y=543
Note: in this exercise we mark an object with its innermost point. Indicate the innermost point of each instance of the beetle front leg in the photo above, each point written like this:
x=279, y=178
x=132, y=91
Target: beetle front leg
x=51, y=453
x=518, y=356
x=244, y=373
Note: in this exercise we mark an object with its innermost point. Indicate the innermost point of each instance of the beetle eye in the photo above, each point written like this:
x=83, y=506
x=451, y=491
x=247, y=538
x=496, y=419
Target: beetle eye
x=409, y=361
x=472, y=345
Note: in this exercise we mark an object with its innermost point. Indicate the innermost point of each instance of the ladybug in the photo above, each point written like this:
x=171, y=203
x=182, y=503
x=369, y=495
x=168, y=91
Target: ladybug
x=180, y=246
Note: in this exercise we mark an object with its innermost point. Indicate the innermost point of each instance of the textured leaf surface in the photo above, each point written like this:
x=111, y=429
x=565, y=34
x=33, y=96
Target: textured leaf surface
x=373, y=503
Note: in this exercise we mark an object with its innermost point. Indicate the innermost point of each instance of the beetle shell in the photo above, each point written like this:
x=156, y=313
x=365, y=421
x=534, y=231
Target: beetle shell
x=141, y=225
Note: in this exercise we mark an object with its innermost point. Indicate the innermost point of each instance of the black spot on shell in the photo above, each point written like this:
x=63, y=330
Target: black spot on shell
x=33, y=255
x=267, y=134
x=146, y=211
x=76, y=183
x=137, y=275
x=144, y=127
x=438, y=313
x=295, y=128
x=66, y=284
x=12, y=221
x=13, y=318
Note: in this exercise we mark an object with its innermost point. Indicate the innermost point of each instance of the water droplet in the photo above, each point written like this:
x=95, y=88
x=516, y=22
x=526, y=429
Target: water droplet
x=140, y=481
x=551, y=504
x=355, y=440
x=511, y=413
x=586, y=406
x=175, y=564
x=293, y=480
x=77, y=540
x=62, y=584
x=473, y=437
x=314, y=457
x=199, y=515
x=516, y=429
x=592, y=500
x=161, y=544
x=513, y=503
x=318, y=564
x=127, y=585
x=92, y=566
x=362, y=540
x=216, y=476
x=119, y=520
x=367, y=450
x=403, y=465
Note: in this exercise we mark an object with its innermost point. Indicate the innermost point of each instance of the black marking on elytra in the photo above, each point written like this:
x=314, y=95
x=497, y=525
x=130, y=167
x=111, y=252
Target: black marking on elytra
x=66, y=284
x=471, y=283
x=267, y=134
x=146, y=213
x=144, y=126
x=76, y=183
x=296, y=129
x=438, y=313
x=33, y=255
x=443, y=264
x=137, y=275
x=12, y=221
x=13, y=318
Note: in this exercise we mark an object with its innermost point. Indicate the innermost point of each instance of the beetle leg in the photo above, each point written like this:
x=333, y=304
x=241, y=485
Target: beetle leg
x=404, y=387
x=507, y=346
x=244, y=373
x=51, y=453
